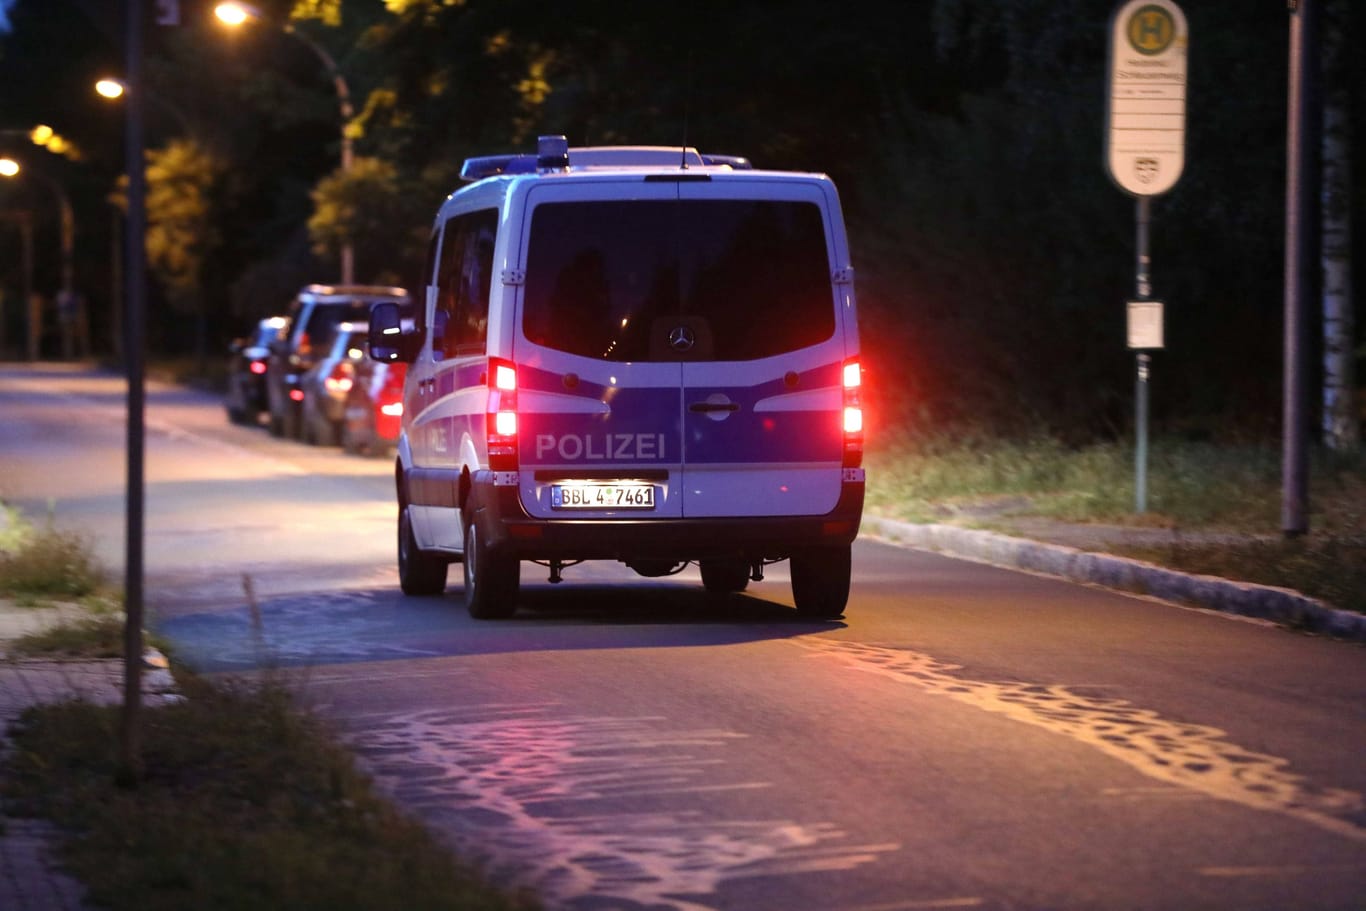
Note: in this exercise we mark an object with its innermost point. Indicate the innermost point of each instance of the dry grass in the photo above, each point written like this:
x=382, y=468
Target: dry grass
x=1192, y=488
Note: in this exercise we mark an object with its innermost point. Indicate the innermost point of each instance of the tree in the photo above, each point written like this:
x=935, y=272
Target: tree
x=182, y=230
x=1341, y=427
x=365, y=206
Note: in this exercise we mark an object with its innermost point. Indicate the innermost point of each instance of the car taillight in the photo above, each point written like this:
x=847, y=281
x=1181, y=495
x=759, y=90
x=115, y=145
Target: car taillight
x=257, y=367
x=392, y=409
x=853, y=414
x=340, y=380
x=502, y=415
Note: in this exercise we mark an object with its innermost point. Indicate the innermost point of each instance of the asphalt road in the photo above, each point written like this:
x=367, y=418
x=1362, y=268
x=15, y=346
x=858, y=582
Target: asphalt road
x=968, y=737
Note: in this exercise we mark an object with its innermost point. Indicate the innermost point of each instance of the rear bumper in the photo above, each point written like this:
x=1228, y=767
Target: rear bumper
x=510, y=530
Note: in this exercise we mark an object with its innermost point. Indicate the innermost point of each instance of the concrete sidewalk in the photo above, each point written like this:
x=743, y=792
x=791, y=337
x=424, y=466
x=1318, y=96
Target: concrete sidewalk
x=30, y=878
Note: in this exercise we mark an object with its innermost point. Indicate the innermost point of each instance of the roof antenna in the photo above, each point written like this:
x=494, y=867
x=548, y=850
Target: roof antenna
x=687, y=103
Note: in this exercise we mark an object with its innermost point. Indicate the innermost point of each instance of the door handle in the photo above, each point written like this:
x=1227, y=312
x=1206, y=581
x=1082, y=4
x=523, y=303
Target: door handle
x=710, y=407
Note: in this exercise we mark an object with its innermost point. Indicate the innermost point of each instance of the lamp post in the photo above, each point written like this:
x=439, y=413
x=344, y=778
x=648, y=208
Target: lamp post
x=67, y=295
x=235, y=14
x=24, y=219
x=114, y=89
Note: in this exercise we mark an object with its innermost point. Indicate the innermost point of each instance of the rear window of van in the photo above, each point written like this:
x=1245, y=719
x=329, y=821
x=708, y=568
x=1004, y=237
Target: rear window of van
x=617, y=279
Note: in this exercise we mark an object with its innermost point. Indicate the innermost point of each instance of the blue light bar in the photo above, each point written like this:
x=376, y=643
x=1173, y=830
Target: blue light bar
x=552, y=152
x=493, y=165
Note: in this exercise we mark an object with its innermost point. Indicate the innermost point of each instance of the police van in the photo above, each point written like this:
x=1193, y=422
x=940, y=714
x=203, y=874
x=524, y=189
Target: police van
x=640, y=354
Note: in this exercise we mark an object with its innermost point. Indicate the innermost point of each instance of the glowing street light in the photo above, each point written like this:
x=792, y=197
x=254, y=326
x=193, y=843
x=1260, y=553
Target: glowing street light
x=114, y=89
x=235, y=14
x=8, y=167
x=109, y=88
x=45, y=136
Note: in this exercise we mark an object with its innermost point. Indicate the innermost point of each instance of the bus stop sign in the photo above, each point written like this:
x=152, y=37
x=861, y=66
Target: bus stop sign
x=1146, y=113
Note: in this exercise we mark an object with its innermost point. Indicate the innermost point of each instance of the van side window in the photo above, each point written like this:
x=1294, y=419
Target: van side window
x=463, y=280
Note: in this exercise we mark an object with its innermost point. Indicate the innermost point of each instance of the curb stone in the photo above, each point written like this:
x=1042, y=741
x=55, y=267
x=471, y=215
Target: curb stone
x=1267, y=602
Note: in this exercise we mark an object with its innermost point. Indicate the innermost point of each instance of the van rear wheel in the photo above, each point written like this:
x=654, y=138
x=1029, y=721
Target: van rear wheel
x=491, y=580
x=820, y=581
x=724, y=577
x=418, y=573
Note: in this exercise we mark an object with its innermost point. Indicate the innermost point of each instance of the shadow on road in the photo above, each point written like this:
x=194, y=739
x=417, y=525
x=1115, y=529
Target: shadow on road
x=348, y=626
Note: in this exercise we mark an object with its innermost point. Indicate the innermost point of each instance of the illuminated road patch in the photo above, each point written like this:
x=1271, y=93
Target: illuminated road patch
x=1190, y=755
x=597, y=812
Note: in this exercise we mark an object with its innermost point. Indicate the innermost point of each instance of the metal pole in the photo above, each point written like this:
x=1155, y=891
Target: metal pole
x=135, y=239
x=1142, y=360
x=348, y=253
x=116, y=284
x=26, y=239
x=67, y=306
x=1301, y=141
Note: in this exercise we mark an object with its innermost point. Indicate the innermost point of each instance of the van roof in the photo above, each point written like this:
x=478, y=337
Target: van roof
x=554, y=155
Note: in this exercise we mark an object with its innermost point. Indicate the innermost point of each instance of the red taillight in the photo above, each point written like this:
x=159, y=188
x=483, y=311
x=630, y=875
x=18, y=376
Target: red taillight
x=502, y=415
x=257, y=367
x=296, y=395
x=339, y=381
x=853, y=414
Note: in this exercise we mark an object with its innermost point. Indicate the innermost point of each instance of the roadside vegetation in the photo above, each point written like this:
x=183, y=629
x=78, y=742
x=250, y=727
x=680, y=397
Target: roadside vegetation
x=46, y=569
x=1220, y=502
x=245, y=802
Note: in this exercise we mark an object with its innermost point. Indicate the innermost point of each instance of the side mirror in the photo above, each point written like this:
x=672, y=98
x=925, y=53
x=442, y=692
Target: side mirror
x=388, y=342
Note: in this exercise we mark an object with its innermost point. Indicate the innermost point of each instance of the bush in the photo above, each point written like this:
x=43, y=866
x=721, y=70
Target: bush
x=48, y=562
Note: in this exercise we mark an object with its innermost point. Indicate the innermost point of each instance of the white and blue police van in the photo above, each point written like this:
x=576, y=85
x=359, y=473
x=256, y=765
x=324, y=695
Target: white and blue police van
x=640, y=354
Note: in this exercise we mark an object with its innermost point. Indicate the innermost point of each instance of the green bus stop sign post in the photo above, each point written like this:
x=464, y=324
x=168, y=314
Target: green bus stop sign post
x=1145, y=147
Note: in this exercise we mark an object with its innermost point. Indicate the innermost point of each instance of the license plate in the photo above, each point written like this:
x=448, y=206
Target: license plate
x=616, y=495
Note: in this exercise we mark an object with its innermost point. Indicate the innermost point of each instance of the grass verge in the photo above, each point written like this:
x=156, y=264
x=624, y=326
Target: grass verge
x=245, y=804
x=45, y=563
x=1232, y=490
x=46, y=568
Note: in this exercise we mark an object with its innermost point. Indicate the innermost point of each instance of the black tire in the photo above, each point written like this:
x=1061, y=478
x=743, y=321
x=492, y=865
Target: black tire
x=724, y=577
x=820, y=581
x=291, y=423
x=418, y=573
x=236, y=415
x=318, y=431
x=276, y=426
x=350, y=444
x=491, y=581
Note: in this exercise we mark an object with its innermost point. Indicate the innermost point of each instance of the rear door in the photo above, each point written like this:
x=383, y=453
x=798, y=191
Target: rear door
x=761, y=382
x=599, y=402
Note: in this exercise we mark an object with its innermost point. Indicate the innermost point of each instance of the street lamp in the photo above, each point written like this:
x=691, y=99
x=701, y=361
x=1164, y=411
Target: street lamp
x=236, y=14
x=113, y=89
x=67, y=304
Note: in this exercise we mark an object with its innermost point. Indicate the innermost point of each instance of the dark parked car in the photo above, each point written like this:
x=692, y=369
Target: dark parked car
x=314, y=315
x=374, y=409
x=328, y=383
x=246, y=398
